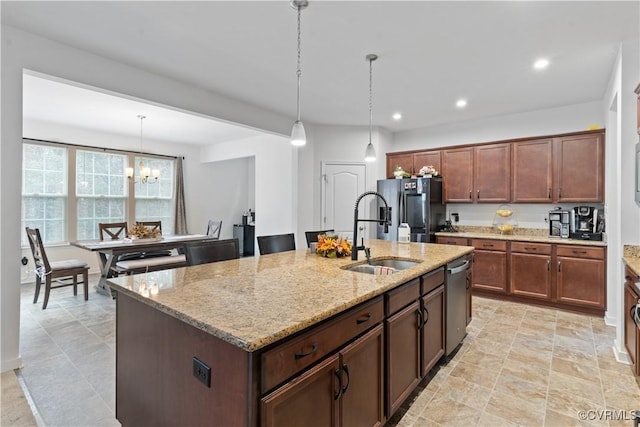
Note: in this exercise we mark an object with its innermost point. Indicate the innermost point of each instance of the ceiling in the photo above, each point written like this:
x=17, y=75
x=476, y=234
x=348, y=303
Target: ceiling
x=430, y=54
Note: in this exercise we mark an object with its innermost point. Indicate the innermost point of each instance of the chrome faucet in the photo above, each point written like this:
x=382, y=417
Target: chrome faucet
x=383, y=221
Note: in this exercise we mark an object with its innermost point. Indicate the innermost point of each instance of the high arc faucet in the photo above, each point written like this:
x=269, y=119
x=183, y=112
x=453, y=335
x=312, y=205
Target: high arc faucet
x=384, y=221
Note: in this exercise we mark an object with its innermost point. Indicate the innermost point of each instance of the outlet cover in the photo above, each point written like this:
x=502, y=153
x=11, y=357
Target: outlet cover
x=202, y=372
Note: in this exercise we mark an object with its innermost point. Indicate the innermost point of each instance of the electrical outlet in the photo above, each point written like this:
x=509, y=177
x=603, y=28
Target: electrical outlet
x=202, y=372
x=456, y=216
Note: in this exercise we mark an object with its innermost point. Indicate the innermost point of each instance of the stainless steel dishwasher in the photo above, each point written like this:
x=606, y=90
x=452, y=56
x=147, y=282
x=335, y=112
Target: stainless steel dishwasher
x=456, y=296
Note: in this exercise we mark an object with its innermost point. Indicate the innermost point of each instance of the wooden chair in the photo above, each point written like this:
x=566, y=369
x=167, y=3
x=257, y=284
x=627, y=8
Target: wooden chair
x=276, y=243
x=211, y=251
x=113, y=230
x=213, y=228
x=46, y=271
x=312, y=236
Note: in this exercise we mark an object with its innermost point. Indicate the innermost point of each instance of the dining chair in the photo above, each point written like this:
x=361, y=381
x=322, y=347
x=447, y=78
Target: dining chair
x=276, y=243
x=153, y=226
x=61, y=271
x=213, y=228
x=113, y=230
x=312, y=236
x=211, y=251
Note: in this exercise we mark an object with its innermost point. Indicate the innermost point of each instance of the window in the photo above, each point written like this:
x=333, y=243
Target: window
x=67, y=191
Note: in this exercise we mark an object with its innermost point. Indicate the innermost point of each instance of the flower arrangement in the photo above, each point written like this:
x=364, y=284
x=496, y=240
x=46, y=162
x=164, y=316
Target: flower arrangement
x=141, y=231
x=332, y=247
x=428, y=170
x=399, y=173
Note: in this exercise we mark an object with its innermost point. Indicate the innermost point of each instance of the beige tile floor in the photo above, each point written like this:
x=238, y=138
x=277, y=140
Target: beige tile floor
x=519, y=365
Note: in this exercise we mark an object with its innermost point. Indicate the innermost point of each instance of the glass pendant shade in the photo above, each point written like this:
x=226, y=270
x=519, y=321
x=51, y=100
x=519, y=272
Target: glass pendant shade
x=370, y=153
x=298, y=135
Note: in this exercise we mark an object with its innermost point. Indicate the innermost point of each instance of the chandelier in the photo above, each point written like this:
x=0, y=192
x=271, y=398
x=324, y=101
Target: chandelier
x=298, y=135
x=144, y=173
x=370, y=152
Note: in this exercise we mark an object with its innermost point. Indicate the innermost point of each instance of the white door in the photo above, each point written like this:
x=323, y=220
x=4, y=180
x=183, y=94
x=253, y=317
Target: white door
x=342, y=184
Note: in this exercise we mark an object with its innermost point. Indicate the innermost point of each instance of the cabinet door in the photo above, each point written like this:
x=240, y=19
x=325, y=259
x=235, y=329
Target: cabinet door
x=532, y=171
x=308, y=400
x=457, y=175
x=446, y=240
x=363, y=380
x=432, y=328
x=579, y=175
x=469, y=297
x=630, y=328
x=403, y=355
x=490, y=271
x=531, y=275
x=580, y=281
x=403, y=160
x=492, y=173
x=427, y=158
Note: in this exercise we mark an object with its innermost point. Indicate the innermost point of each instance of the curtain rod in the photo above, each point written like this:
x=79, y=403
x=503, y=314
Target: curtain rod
x=117, y=150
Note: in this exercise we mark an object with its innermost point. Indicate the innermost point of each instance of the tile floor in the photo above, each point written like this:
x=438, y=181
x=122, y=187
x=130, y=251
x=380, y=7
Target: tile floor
x=519, y=365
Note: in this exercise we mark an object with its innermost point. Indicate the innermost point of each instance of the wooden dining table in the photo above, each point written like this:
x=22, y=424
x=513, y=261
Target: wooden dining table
x=110, y=250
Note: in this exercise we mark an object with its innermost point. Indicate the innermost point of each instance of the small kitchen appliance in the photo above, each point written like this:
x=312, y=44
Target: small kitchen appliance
x=559, y=223
x=586, y=223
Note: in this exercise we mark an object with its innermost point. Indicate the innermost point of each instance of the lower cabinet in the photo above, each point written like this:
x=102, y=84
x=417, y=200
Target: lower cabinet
x=581, y=276
x=490, y=265
x=531, y=270
x=432, y=328
x=345, y=389
x=631, y=330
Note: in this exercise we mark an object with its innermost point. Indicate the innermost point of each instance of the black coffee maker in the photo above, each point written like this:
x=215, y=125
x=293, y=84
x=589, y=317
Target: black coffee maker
x=586, y=223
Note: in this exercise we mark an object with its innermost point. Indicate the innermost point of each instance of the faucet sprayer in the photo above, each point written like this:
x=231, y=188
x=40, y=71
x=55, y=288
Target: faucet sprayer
x=383, y=221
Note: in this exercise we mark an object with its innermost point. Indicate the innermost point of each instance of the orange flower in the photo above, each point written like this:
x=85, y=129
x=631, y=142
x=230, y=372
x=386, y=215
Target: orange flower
x=332, y=247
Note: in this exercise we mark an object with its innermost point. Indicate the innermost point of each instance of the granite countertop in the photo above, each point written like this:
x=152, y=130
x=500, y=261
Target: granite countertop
x=631, y=257
x=255, y=301
x=521, y=238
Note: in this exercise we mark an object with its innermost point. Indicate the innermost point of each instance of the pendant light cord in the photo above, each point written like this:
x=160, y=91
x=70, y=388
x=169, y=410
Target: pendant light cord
x=370, y=98
x=299, y=70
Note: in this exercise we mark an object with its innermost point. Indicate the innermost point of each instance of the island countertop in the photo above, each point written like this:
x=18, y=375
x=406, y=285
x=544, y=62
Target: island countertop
x=255, y=301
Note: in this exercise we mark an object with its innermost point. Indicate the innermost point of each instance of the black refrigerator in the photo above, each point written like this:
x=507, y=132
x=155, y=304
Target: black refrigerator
x=416, y=201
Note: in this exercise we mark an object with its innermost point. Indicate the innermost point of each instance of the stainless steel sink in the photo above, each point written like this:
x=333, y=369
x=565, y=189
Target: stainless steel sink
x=394, y=264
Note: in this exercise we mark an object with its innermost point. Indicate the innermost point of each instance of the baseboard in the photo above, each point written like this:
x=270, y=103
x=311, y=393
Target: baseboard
x=610, y=320
x=7, y=365
x=621, y=355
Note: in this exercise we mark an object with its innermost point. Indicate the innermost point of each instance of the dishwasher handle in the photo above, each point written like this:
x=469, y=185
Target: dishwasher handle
x=458, y=269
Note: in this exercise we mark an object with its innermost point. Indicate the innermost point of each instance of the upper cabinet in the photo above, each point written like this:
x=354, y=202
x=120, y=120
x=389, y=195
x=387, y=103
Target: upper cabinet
x=412, y=162
x=579, y=168
x=532, y=171
x=477, y=174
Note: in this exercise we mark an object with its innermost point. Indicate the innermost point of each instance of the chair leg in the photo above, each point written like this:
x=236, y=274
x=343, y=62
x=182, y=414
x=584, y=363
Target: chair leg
x=85, y=281
x=47, y=290
x=38, y=283
x=75, y=285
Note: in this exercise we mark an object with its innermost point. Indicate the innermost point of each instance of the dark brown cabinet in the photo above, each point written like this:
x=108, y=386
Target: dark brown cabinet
x=457, y=241
x=631, y=331
x=531, y=270
x=490, y=265
x=579, y=168
x=457, y=175
x=532, y=171
x=580, y=276
x=413, y=162
x=432, y=328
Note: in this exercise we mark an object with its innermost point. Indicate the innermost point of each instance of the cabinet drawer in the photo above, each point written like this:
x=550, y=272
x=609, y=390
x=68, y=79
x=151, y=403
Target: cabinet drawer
x=402, y=296
x=432, y=280
x=458, y=241
x=489, y=245
x=531, y=248
x=294, y=355
x=580, y=252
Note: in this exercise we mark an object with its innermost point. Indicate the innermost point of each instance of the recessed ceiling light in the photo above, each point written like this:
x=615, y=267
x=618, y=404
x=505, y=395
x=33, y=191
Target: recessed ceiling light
x=461, y=103
x=397, y=116
x=541, y=64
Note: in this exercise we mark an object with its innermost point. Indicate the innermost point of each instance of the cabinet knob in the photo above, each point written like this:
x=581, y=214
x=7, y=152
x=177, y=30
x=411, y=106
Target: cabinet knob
x=549, y=194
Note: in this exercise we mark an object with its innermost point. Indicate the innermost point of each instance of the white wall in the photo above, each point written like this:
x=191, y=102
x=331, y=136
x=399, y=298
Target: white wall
x=21, y=50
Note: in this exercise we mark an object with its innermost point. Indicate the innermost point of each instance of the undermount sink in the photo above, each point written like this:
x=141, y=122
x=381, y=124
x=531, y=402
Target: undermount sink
x=394, y=265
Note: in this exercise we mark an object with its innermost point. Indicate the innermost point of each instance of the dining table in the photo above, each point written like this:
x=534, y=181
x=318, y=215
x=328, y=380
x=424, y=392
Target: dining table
x=110, y=250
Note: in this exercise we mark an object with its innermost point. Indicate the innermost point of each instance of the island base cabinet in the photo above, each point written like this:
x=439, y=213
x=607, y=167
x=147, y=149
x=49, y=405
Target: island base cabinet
x=403, y=355
x=345, y=389
x=432, y=328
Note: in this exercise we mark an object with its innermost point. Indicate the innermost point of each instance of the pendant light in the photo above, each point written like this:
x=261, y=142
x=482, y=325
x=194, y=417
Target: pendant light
x=370, y=152
x=298, y=135
x=144, y=172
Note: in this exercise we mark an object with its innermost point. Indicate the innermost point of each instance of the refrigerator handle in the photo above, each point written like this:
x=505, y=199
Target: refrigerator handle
x=401, y=207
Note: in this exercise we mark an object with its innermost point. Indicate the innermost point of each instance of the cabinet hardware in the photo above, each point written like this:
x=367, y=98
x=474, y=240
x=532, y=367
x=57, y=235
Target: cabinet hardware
x=559, y=268
x=469, y=194
x=579, y=252
x=530, y=249
x=549, y=194
x=548, y=265
x=559, y=193
x=478, y=194
x=339, y=392
x=419, y=313
x=345, y=368
x=313, y=350
x=426, y=316
x=363, y=319
x=486, y=245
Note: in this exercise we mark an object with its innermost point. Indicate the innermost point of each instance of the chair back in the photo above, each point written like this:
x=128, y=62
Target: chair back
x=276, y=243
x=37, y=250
x=114, y=230
x=152, y=225
x=312, y=236
x=213, y=228
x=211, y=251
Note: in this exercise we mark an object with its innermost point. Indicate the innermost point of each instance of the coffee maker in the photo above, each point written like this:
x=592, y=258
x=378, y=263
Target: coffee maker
x=586, y=224
x=559, y=223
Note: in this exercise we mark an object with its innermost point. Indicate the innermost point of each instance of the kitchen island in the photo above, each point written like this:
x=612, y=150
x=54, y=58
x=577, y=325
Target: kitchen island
x=208, y=344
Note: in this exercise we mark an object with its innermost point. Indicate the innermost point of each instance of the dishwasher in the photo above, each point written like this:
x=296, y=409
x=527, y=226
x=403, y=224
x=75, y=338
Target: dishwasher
x=456, y=300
